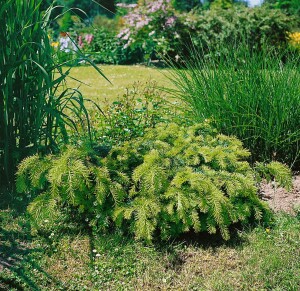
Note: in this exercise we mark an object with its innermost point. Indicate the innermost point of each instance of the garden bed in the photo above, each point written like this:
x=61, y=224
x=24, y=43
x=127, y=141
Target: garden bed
x=280, y=199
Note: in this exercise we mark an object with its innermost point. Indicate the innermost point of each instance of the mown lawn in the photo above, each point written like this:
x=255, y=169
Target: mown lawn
x=95, y=87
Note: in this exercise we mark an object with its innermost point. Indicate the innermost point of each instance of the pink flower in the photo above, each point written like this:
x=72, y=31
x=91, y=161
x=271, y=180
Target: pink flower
x=80, y=42
x=126, y=36
x=170, y=21
x=89, y=38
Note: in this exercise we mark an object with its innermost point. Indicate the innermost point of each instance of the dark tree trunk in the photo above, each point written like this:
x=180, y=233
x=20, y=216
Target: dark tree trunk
x=108, y=7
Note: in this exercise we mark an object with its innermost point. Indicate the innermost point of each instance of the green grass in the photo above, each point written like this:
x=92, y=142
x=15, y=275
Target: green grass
x=254, y=96
x=256, y=259
x=121, y=77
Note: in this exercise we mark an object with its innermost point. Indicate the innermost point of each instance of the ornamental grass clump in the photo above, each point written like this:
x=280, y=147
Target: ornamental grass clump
x=171, y=181
x=252, y=95
x=35, y=104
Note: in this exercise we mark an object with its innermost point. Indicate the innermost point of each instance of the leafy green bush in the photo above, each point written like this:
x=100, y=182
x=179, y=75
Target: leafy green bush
x=107, y=49
x=253, y=96
x=173, y=180
x=215, y=30
x=157, y=29
x=153, y=29
x=184, y=5
x=66, y=22
x=288, y=6
x=140, y=108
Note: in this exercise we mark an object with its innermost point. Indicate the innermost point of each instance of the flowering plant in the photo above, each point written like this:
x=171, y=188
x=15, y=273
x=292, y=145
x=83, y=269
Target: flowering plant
x=294, y=39
x=84, y=41
x=154, y=28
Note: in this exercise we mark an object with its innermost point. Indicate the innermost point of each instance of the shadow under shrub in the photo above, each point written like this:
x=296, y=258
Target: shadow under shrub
x=171, y=181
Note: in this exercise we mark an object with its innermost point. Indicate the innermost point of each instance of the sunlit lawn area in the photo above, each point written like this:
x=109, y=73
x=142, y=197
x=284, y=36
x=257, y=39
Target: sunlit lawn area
x=95, y=87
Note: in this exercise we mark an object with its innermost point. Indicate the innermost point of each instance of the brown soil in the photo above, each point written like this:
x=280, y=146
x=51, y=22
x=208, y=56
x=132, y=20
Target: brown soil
x=279, y=199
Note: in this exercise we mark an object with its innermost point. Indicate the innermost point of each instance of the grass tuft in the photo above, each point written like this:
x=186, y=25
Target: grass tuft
x=254, y=96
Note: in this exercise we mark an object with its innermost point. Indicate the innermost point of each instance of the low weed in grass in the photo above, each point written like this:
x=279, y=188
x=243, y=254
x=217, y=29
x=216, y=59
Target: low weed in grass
x=254, y=96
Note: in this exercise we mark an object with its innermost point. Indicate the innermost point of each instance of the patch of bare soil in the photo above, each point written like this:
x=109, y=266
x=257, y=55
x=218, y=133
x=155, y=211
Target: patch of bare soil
x=279, y=199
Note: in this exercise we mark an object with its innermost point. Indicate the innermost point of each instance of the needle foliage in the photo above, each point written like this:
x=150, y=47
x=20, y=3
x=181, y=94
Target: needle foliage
x=171, y=181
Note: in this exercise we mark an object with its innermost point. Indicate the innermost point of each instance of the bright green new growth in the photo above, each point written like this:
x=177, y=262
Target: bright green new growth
x=172, y=180
x=74, y=179
x=190, y=179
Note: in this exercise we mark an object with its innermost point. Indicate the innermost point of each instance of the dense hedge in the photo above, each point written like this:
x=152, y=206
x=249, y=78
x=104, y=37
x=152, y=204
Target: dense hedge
x=157, y=29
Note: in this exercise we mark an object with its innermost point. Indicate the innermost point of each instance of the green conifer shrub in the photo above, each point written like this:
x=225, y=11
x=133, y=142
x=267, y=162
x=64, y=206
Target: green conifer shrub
x=75, y=179
x=189, y=179
x=172, y=180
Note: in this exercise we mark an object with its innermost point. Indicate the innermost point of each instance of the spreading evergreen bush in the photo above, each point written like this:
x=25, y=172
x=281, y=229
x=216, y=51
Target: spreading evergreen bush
x=173, y=180
x=187, y=179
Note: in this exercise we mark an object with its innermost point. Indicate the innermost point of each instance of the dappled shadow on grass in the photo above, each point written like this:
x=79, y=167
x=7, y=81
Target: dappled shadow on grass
x=209, y=243
x=19, y=266
x=10, y=199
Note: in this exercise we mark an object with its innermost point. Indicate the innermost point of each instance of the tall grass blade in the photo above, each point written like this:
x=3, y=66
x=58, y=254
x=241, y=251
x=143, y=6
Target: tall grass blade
x=252, y=95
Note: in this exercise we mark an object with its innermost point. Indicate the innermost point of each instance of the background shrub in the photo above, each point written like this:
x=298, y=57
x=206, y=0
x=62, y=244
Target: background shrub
x=106, y=48
x=152, y=28
x=213, y=30
x=288, y=6
x=157, y=29
x=142, y=107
